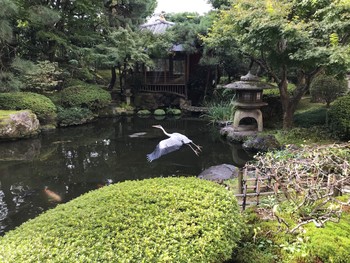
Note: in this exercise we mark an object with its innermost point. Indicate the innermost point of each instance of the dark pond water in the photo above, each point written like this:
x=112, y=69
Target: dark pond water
x=37, y=174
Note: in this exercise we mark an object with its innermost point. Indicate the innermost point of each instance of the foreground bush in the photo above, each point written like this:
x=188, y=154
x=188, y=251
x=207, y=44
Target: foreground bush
x=42, y=106
x=339, y=117
x=154, y=220
x=89, y=96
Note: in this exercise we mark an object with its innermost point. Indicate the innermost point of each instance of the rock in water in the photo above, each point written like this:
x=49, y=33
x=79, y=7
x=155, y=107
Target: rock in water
x=261, y=143
x=219, y=172
x=18, y=124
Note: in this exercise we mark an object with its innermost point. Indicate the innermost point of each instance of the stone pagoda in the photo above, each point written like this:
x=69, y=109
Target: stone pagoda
x=249, y=91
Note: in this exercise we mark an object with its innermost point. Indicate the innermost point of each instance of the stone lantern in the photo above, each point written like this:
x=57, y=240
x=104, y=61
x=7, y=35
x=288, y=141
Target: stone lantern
x=249, y=91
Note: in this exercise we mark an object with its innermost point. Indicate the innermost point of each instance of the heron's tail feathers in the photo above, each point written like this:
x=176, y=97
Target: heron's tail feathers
x=150, y=157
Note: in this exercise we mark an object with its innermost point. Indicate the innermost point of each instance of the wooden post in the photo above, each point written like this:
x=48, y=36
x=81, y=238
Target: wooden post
x=240, y=181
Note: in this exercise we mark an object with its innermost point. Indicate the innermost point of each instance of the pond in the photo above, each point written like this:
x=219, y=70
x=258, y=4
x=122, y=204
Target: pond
x=37, y=174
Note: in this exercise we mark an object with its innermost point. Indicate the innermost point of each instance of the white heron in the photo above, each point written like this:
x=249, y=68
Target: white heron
x=173, y=143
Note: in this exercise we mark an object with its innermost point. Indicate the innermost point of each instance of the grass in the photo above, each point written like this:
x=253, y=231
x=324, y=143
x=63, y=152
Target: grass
x=310, y=120
x=305, y=104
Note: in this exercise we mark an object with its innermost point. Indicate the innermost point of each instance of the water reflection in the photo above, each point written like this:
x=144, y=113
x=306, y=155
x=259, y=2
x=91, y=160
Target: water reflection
x=36, y=174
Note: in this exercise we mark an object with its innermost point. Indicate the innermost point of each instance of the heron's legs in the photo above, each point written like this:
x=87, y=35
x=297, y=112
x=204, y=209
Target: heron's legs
x=199, y=148
x=196, y=151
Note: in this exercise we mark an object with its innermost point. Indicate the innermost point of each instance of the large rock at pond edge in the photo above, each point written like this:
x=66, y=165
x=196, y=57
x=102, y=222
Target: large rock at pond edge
x=219, y=172
x=20, y=124
x=261, y=143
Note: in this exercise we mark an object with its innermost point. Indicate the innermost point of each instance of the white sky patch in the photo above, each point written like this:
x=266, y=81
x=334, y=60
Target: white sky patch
x=179, y=6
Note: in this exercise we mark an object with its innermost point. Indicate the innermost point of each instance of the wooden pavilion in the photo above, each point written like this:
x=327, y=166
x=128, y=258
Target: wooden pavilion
x=169, y=74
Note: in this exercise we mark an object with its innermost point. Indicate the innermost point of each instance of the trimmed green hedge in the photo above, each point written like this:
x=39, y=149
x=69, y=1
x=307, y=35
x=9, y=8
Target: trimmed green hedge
x=42, y=106
x=89, y=96
x=73, y=116
x=154, y=220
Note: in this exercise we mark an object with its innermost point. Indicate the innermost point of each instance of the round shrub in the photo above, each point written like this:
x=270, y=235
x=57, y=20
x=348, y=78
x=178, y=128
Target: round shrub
x=327, y=88
x=42, y=106
x=89, y=96
x=339, y=117
x=154, y=220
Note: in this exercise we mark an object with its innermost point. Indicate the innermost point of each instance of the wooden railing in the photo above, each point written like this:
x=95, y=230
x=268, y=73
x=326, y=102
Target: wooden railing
x=177, y=89
x=252, y=185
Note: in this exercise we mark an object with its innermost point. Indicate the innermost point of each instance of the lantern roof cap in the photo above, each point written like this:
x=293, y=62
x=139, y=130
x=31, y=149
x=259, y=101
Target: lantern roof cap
x=249, y=82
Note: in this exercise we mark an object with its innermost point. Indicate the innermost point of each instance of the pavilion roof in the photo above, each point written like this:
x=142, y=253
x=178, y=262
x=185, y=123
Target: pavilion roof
x=157, y=27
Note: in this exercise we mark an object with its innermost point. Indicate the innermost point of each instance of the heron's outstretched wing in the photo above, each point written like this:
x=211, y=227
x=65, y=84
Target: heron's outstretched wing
x=164, y=147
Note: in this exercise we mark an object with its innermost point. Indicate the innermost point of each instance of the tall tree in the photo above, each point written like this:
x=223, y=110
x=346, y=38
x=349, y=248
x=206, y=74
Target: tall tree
x=59, y=30
x=187, y=31
x=220, y=4
x=129, y=12
x=124, y=47
x=290, y=40
x=8, y=9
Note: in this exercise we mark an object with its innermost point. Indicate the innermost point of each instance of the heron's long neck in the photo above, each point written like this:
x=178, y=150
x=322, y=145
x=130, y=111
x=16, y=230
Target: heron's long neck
x=167, y=134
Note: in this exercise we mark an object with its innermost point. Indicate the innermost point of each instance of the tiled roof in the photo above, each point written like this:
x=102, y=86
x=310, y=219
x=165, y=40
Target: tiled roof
x=158, y=27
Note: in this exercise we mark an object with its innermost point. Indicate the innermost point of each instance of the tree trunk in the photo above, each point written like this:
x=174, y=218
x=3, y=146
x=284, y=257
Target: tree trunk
x=207, y=83
x=289, y=104
x=113, y=78
x=288, y=116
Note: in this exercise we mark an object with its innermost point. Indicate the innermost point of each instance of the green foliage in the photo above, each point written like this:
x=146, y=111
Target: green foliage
x=260, y=242
x=9, y=82
x=311, y=118
x=88, y=96
x=339, y=117
x=220, y=4
x=8, y=9
x=154, y=220
x=288, y=39
x=59, y=32
x=327, y=88
x=42, y=106
x=221, y=108
x=73, y=116
x=40, y=77
x=301, y=135
x=219, y=112
x=132, y=12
